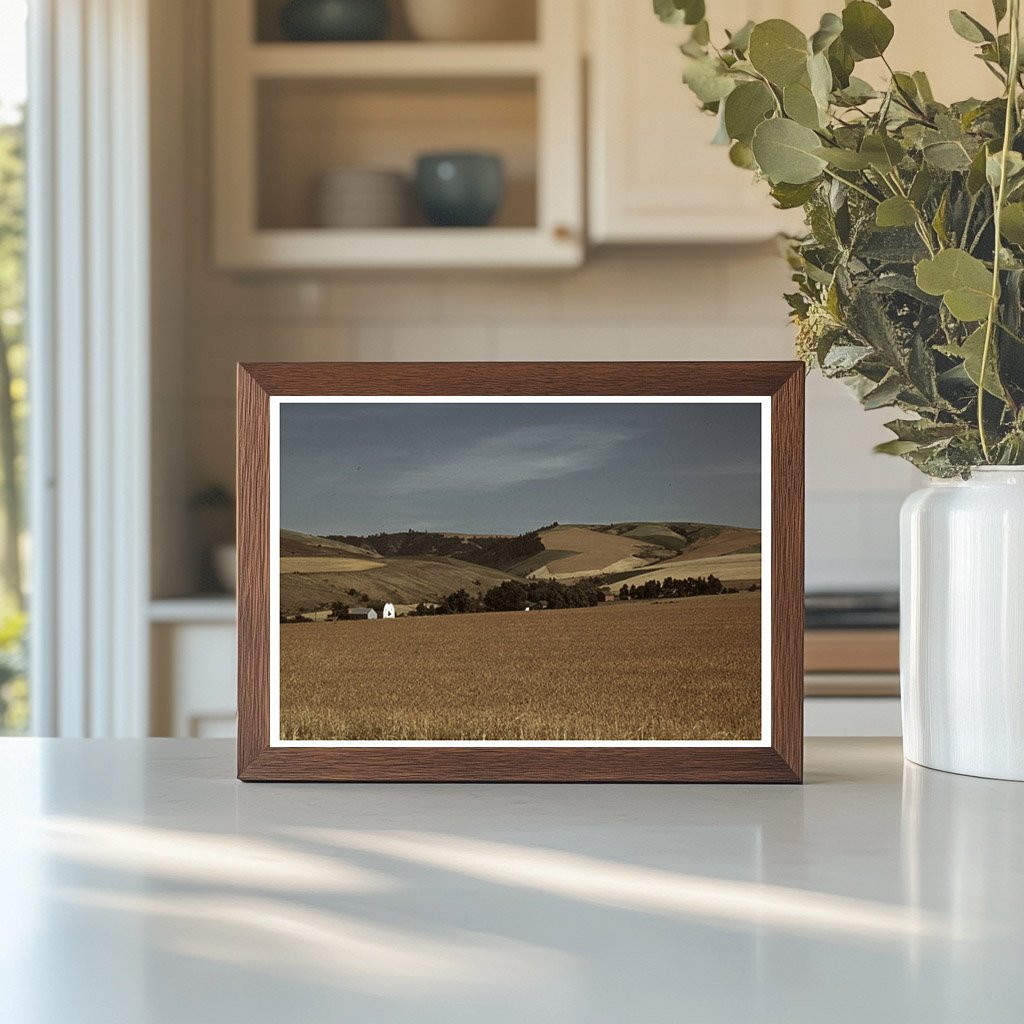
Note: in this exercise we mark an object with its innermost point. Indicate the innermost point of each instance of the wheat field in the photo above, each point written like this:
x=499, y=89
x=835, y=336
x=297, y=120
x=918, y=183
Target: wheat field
x=655, y=670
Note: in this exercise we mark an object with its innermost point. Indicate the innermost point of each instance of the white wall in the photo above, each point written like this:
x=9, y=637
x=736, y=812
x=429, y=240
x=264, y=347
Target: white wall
x=663, y=303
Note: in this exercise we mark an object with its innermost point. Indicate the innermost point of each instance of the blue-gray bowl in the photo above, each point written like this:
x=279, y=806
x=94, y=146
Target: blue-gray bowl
x=462, y=190
x=333, y=21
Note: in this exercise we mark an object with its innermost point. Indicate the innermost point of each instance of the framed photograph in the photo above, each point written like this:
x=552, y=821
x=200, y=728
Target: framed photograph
x=512, y=572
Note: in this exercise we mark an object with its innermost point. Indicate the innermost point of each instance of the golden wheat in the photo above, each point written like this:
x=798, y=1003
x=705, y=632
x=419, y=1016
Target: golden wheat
x=687, y=670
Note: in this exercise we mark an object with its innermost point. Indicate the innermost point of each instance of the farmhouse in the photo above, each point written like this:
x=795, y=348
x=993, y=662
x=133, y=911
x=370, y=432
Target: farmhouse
x=362, y=613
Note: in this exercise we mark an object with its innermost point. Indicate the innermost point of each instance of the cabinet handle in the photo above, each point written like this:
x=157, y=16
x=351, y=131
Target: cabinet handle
x=563, y=232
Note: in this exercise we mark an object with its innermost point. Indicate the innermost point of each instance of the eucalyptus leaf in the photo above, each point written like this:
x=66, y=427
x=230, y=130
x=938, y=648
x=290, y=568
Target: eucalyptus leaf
x=896, y=447
x=745, y=108
x=741, y=155
x=923, y=431
x=829, y=30
x=675, y=12
x=858, y=91
x=883, y=153
x=972, y=353
x=739, y=41
x=721, y=136
x=884, y=395
x=1012, y=225
x=947, y=156
x=786, y=152
x=819, y=74
x=800, y=105
x=976, y=178
x=999, y=7
x=895, y=213
x=969, y=28
x=842, y=61
x=789, y=197
x=939, y=220
x=708, y=80
x=963, y=281
x=866, y=29
x=924, y=87
x=922, y=185
x=844, y=159
x=994, y=169
x=779, y=51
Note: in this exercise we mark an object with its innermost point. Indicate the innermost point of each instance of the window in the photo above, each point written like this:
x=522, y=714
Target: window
x=14, y=548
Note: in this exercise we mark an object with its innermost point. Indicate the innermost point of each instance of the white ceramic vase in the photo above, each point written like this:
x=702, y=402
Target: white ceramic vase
x=962, y=624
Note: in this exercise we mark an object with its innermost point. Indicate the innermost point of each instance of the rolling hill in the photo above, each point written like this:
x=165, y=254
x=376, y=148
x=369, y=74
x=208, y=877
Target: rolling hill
x=402, y=580
x=622, y=549
x=410, y=567
x=304, y=545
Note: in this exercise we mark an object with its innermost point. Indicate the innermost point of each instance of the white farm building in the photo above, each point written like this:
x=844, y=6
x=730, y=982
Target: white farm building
x=362, y=613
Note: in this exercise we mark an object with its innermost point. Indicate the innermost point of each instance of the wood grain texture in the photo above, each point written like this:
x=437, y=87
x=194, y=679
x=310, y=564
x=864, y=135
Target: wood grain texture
x=782, y=762
x=252, y=487
x=852, y=650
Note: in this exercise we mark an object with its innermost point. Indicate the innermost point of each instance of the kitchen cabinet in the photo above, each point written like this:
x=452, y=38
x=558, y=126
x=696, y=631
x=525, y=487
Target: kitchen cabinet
x=653, y=175
x=193, y=670
x=286, y=113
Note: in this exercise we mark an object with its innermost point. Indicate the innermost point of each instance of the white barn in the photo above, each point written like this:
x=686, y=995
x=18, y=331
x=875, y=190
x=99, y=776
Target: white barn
x=389, y=611
x=362, y=613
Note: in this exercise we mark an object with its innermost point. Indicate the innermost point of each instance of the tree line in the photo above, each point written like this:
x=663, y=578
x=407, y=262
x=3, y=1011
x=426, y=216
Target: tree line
x=492, y=552
x=699, y=586
x=513, y=596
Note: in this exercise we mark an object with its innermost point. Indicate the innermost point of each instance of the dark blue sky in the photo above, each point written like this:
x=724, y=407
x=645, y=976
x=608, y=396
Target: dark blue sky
x=509, y=468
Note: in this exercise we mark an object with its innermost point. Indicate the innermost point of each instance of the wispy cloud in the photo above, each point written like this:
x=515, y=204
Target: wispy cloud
x=542, y=452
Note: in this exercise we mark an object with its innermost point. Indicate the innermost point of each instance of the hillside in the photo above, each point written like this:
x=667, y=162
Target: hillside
x=402, y=580
x=410, y=567
x=304, y=545
x=499, y=551
x=575, y=551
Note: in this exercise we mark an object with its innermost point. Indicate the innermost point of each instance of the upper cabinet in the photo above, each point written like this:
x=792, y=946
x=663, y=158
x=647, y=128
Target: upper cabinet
x=316, y=143
x=654, y=175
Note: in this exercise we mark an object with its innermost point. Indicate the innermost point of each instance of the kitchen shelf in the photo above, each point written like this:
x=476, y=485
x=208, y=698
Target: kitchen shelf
x=312, y=248
x=287, y=113
x=392, y=60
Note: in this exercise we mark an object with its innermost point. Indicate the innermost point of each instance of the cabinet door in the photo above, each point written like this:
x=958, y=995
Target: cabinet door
x=654, y=177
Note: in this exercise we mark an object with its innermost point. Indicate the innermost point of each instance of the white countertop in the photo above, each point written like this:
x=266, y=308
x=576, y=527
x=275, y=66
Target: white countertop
x=143, y=885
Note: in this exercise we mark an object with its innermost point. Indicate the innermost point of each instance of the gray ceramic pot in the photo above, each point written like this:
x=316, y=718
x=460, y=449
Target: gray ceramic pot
x=334, y=20
x=460, y=189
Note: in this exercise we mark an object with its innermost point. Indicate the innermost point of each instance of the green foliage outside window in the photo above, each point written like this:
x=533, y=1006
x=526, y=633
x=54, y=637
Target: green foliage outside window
x=13, y=412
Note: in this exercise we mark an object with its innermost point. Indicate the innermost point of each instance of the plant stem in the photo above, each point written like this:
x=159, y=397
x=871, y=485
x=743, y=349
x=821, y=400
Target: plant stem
x=923, y=228
x=856, y=188
x=1000, y=199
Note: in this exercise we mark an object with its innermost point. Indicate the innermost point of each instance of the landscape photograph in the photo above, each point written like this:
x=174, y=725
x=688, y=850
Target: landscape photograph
x=520, y=571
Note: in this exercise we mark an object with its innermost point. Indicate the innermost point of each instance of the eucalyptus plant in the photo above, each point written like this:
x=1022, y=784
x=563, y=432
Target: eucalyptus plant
x=910, y=278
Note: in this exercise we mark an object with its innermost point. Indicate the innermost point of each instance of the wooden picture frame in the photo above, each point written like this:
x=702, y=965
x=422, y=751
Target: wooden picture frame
x=778, y=757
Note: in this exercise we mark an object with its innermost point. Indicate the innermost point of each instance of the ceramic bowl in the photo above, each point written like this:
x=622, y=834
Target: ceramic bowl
x=334, y=20
x=359, y=197
x=460, y=189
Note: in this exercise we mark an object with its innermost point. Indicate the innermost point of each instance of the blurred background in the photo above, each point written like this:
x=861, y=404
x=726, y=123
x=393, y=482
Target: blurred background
x=245, y=180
